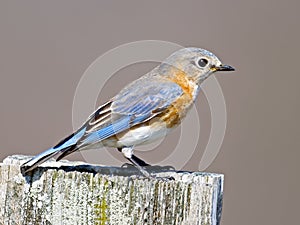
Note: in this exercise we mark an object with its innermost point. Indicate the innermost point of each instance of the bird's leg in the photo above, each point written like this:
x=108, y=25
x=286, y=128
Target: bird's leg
x=137, y=162
x=136, y=159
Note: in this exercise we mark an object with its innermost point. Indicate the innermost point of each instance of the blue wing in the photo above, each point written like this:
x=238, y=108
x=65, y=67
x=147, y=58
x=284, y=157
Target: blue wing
x=138, y=102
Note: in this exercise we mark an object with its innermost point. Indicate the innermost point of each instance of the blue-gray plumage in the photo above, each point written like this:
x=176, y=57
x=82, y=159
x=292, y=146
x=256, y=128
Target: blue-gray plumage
x=144, y=110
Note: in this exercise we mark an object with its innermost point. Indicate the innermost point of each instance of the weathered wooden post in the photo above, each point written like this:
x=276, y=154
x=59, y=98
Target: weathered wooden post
x=60, y=193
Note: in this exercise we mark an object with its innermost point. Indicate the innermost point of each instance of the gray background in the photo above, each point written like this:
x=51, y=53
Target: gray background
x=45, y=48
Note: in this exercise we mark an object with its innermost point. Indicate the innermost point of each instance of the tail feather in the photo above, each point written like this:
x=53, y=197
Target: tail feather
x=63, y=148
x=44, y=156
x=65, y=152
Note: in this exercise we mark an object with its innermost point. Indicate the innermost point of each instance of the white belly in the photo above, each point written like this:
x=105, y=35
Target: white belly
x=137, y=136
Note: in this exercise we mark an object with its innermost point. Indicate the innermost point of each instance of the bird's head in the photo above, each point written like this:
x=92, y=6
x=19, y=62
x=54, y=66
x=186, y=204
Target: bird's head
x=198, y=64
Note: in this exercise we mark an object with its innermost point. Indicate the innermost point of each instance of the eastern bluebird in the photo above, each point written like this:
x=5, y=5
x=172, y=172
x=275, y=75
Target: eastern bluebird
x=143, y=111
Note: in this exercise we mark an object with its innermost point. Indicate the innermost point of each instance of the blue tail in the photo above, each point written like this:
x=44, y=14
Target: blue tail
x=39, y=159
x=63, y=148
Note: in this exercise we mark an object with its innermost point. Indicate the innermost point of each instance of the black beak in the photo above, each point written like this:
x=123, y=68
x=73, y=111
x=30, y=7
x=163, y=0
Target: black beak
x=224, y=68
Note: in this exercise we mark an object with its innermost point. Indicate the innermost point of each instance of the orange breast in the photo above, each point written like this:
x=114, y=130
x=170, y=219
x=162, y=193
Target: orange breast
x=177, y=111
x=179, y=77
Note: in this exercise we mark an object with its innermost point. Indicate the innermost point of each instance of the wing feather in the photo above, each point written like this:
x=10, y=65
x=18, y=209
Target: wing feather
x=135, y=104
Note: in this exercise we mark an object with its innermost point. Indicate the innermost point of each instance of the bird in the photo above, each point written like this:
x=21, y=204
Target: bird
x=145, y=110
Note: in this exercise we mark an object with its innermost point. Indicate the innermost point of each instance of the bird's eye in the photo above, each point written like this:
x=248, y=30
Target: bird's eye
x=202, y=62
